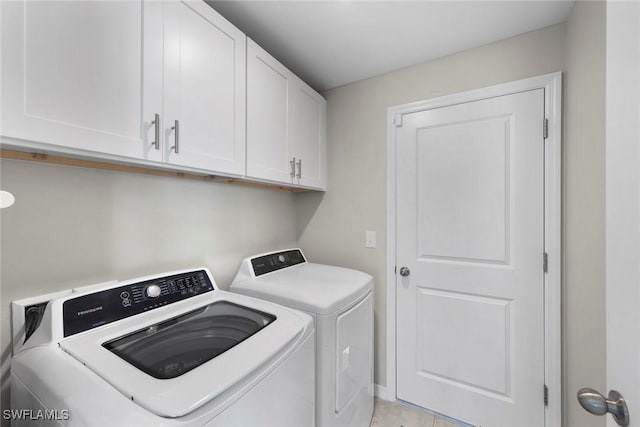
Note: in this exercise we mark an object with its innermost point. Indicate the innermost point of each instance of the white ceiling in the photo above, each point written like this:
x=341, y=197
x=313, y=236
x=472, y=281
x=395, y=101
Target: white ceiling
x=332, y=43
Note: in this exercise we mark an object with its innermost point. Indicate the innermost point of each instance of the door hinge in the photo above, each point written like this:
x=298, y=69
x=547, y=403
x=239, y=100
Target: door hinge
x=397, y=120
x=545, y=262
x=545, y=129
x=546, y=395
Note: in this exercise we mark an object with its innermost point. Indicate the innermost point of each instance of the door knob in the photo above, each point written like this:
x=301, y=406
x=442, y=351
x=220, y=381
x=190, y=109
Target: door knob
x=404, y=271
x=594, y=402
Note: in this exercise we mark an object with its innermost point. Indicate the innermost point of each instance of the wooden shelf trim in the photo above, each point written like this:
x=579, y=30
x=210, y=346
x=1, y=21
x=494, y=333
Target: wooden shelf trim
x=141, y=170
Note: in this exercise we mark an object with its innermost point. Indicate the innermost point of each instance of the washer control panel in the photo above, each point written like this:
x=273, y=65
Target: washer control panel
x=92, y=310
x=276, y=261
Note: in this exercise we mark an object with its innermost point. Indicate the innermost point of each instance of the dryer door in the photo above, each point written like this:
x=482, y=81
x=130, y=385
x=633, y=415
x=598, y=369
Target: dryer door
x=354, y=345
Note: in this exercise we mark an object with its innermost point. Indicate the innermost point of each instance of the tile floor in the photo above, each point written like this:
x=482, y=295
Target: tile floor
x=394, y=414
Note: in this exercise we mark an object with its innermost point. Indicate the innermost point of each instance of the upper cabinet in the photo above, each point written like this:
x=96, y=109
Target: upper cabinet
x=168, y=84
x=154, y=81
x=72, y=75
x=204, y=88
x=286, y=124
x=309, y=116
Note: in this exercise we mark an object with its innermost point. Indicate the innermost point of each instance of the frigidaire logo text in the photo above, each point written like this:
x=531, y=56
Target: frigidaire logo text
x=91, y=310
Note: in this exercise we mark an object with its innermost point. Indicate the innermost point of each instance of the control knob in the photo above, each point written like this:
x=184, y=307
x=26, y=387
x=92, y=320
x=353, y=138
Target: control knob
x=153, y=291
x=281, y=258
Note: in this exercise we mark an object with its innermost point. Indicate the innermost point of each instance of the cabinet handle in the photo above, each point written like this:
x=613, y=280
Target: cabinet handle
x=176, y=134
x=299, y=169
x=156, y=125
x=293, y=167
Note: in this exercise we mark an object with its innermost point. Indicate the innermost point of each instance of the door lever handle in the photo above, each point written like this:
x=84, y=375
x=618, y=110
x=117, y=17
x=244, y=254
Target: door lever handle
x=595, y=403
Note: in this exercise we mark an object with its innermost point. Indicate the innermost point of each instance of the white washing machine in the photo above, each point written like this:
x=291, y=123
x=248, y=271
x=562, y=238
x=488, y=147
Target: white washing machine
x=341, y=303
x=166, y=350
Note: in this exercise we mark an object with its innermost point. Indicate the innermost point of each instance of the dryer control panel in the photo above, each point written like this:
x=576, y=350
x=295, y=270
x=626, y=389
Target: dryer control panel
x=92, y=310
x=276, y=261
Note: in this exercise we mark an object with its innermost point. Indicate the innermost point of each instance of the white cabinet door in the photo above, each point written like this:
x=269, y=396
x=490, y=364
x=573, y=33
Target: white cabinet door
x=204, y=89
x=286, y=124
x=269, y=146
x=309, y=135
x=72, y=77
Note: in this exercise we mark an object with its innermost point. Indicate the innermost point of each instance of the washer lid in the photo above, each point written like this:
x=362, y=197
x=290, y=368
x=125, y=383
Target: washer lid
x=174, y=347
x=314, y=288
x=226, y=374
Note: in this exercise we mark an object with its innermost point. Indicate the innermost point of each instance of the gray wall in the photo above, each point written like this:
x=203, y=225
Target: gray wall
x=75, y=226
x=357, y=143
x=332, y=228
x=584, y=208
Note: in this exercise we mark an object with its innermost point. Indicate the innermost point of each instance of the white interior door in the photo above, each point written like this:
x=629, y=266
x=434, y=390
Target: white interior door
x=470, y=231
x=622, y=211
x=623, y=204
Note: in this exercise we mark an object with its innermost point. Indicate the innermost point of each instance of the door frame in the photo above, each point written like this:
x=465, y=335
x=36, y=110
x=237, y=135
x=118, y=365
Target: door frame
x=552, y=86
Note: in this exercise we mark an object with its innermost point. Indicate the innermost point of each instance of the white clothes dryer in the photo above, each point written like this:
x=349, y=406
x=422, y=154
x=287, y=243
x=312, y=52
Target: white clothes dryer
x=341, y=303
x=164, y=350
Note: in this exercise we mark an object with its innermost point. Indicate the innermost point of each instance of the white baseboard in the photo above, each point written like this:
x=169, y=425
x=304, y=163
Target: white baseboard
x=380, y=392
